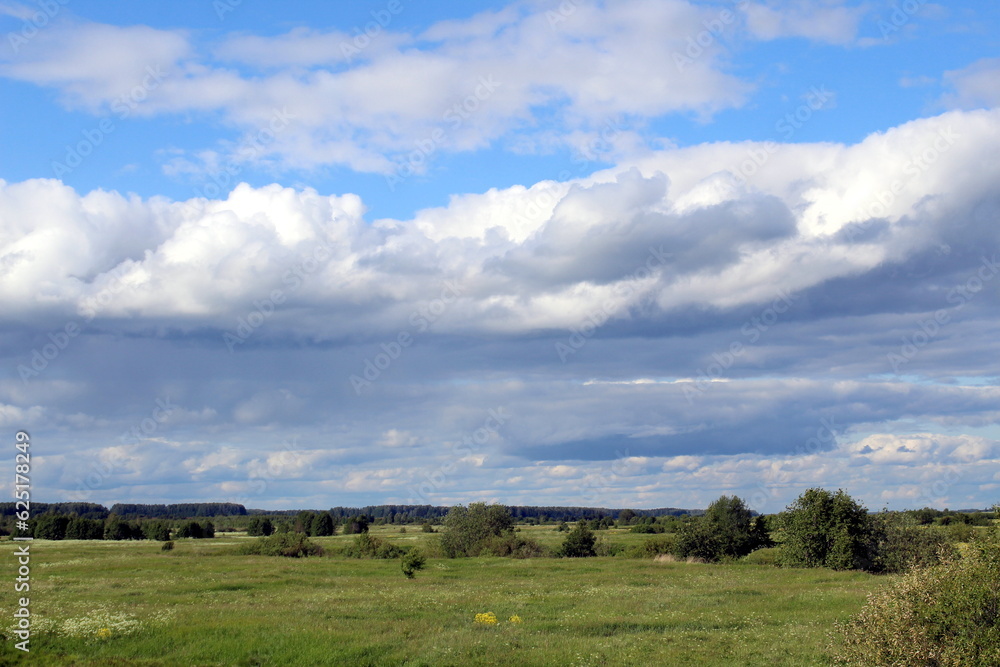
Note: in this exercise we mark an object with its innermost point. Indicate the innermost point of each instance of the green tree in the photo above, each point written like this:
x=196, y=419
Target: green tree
x=190, y=529
x=626, y=517
x=468, y=528
x=51, y=527
x=116, y=529
x=260, y=527
x=323, y=525
x=823, y=529
x=579, y=543
x=80, y=528
x=411, y=562
x=156, y=530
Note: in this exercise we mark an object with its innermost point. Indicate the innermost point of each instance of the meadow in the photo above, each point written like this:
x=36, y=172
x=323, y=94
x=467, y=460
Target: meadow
x=129, y=603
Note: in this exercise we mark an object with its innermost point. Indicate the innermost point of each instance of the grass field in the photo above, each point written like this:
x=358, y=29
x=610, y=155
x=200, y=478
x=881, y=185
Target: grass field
x=128, y=603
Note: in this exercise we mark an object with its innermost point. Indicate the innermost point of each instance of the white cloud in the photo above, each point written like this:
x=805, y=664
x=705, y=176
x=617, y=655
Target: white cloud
x=977, y=85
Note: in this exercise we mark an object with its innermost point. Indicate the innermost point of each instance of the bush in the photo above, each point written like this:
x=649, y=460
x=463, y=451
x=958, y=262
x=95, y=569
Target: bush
x=823, y=529
x=290, y=545
x=657, y=546
x=167, y=546
x=260, y=527
x=468, y=528
x=605, y=548
x=898, y=543
x=579, y=543
x=510, y=545
x=427, y=528
x=946, y=615
x=368, y=546
x=411, y=562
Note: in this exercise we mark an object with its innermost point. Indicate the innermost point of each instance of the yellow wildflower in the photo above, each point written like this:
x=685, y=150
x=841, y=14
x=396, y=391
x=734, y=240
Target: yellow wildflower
x=489, y=618
x=104, y=633
x=515, y=619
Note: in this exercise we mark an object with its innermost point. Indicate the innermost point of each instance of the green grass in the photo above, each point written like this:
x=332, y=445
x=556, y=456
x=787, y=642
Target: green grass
x=203, y=605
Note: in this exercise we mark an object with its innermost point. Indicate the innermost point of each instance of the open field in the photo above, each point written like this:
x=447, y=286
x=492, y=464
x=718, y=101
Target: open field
x=202, y=605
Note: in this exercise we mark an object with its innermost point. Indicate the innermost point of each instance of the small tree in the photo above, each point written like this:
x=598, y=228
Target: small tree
x=260, y=527
x=411, y=562
x=51, y=527
x=323, y=525
x=579, y=543
x=823, y=529
x=468, y=528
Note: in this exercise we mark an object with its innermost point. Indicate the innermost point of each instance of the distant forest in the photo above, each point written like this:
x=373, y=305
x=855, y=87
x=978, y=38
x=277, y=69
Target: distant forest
x=396, y=514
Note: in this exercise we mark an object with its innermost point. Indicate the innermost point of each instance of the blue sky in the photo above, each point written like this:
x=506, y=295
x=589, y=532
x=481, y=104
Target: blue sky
x=622, y=254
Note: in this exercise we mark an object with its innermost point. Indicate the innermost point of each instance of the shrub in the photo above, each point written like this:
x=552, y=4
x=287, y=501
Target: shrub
x=946, y=615
x=604, y=548
x=411, y=562
x=369, y=546
x=822, y=529
x=579, y=543
x=898, y=543
x=167, y=546
x=290, y=545
x=664, y=544
x=260, y=527
x=427, y=528
x=467, y=528
x=512, y=546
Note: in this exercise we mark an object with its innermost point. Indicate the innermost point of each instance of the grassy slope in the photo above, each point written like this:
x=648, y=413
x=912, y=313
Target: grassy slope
x=245, y=610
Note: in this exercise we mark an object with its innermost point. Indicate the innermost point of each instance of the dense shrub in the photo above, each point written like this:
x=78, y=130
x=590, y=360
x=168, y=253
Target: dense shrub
x=579, y=543
x=510, y=545
x=823, y=529
x=765, y=556
x=468, y=528
x=260, y=527
x=657, y=546
x=290, y=545
x=727, y=530
x=167, y=546
x=80, y=528
x=898, y=543
x=946, y=615
x=156, y=530
x=366, y=545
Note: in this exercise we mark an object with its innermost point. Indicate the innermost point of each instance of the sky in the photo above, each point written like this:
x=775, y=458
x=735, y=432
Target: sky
x=611, y=254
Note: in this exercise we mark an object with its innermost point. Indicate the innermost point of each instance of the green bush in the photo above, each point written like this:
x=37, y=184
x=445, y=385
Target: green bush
x=823, y=529
x=411, y=562
x=510, y=545
x=290, y=545
x=167, y=546
x=605, y=548
x=366, y=545
x=579, y=543
x=663, y=544
x=468, y=528
x=946, y=615
x=899, y=543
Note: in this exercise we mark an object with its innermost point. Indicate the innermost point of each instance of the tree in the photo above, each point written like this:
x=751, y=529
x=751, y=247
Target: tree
x=80, y=528
x=323, y=525
x=411, y=562
x=626, y=517
x=156, y=530
x=116, y=529
x=51, y=527
x=823, y=529
x=579, y=543
x=260, y=527
x=467, y=529
x=208, y=530
x=191, y=529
